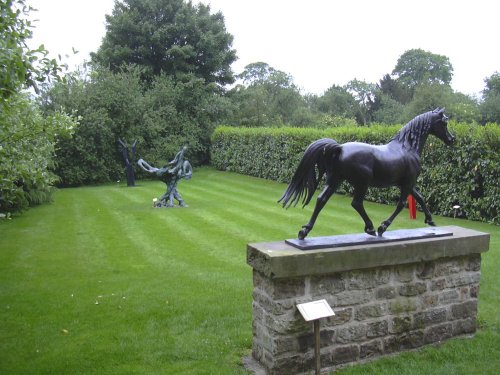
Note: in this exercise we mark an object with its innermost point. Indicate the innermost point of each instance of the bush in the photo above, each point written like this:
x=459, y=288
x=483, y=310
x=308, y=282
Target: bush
x=162, y=116
x=466, y=174
x=27, y=142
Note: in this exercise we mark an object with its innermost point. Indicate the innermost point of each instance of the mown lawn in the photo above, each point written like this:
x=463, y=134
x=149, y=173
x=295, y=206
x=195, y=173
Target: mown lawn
x=99, y=282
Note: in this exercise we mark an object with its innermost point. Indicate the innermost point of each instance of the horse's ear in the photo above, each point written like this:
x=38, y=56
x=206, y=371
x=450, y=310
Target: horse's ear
x=439, y=111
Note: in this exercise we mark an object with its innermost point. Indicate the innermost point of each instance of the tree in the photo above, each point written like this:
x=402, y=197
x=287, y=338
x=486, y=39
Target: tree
x=337, y=101
x=21, y=67
x=168, y=36
x=27, y=139
x=463, y=108
x=492, y=85
x=364, y=93
x=268, y=97
x=387, y=110
x=417, y=67
x=490, y=106
x=428, y=97
x=393, y=89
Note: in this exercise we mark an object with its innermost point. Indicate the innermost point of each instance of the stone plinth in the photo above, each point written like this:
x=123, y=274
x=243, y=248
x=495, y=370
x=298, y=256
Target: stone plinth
x=387, y=298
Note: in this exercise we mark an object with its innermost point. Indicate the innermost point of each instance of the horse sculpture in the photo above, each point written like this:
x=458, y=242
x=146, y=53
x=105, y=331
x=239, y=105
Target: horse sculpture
x=362, y=165
x=180, y=168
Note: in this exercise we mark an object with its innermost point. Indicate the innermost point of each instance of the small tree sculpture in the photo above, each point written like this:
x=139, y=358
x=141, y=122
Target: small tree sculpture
x=170, y=174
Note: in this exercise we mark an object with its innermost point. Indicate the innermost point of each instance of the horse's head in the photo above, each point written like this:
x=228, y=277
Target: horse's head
x=439, y=127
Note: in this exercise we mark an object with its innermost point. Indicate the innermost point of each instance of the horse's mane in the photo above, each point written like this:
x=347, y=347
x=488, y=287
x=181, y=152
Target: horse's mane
x=413, y=135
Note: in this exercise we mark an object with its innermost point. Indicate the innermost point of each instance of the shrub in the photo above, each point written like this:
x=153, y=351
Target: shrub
x=27, y=141
x=466, y=174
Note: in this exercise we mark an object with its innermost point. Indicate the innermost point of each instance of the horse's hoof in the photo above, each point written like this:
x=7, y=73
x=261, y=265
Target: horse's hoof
x=430, y=222
x=381, y=229
x=302, y=234
x=370, y=231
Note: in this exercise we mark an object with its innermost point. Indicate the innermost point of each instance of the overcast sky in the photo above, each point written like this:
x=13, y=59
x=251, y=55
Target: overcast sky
x=318, y=42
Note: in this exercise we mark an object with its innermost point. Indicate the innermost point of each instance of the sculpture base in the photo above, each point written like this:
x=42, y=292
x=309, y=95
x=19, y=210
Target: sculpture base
x=357, y=239
x=387, y=298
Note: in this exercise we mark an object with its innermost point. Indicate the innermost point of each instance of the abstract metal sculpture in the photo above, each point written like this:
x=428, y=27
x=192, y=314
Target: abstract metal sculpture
x=362, y=165
x=170, y=174
x=129, y=161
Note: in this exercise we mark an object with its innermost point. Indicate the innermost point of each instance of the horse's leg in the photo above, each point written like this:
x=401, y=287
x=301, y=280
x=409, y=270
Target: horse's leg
x=357, y=204
x=401, y=204
x=320, y=203
x=420, y=199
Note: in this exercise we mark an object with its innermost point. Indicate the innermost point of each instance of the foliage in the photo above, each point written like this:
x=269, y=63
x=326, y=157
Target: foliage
x=364, y=94
x=427, y=97
x=268, y=97
x=178, y=113
x=20, y=66
x=337, y=101
x=417, y=67
x=108, y=105
x=162, y=115
x=387, y=110
x=394, y=89
x=173, y=37
x=466, y=174
x=27, y=141
x=490, y=107
x=492, y=85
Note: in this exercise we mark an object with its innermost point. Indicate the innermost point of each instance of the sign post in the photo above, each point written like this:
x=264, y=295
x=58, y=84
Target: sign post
x=314, y=311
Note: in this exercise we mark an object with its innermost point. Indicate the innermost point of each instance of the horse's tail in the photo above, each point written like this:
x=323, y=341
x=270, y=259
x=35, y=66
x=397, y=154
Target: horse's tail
x=305, y=180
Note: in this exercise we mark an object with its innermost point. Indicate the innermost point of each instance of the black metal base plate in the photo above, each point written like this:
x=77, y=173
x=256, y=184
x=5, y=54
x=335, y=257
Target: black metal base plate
x=314, y=243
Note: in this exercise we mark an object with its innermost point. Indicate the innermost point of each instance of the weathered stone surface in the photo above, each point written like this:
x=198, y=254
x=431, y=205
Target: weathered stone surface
x=438, y=284
x=438, y=333
x=344, y=354
x=366, y=279
x=412, y=289
x=400, y=324
x=405, y=273
x=320, y=285
x=464, y=310
x=377, y=329
x=464, y=327
x=370, y=349
x=386, y=292
x=449, y=296
x=402, y=305
x=341, y=316
x=371, y=311
x=430, y=317
x=425, y=270
x=279, y=260
x=351, y=333
x=386, y=298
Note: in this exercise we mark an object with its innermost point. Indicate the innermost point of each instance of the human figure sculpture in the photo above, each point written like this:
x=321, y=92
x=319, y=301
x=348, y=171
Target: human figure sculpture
x=362, y=165
x=170, y=174
x=129, y=161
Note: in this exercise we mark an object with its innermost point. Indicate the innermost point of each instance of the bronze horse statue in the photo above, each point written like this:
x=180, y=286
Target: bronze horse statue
x=396, y=163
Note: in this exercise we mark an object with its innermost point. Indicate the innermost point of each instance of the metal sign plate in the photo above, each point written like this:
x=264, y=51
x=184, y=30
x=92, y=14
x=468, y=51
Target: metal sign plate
x=315, y=310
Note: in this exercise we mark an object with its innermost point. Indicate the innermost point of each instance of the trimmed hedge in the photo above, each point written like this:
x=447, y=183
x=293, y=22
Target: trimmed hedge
x=466, y=174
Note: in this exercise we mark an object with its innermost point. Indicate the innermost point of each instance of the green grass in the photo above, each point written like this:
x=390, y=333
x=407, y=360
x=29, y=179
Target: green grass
x=99, y=282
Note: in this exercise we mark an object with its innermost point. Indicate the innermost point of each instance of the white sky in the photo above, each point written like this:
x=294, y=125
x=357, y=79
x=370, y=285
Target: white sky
x=318, y=42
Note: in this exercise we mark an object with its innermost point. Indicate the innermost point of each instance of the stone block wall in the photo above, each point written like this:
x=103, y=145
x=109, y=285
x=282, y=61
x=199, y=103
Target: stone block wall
x=379, y=310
